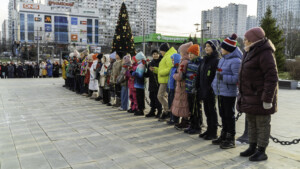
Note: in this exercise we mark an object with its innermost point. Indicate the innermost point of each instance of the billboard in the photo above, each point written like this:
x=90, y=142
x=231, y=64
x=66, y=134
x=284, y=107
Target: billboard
x=74, y=37
x=31, y=6
x=48, y=28
x=83, y=22
x=37, y=19
x=48, y=19
x=74, y=21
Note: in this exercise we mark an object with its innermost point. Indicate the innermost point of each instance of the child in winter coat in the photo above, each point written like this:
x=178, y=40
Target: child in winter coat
x=122, y=80
x=87, y=75
x=116, y=70
x=139, y=83
x=153, y=86
x=225, y=87
x=171, y=86
x=180, y=106
x=190, y=82
x=107, y=86
x=207, y=71
x=132, y=89
x=93, y=84
x=103, y=73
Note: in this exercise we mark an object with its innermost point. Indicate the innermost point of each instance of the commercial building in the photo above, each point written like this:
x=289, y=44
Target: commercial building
x=251, y=22
x=80, y=22
x=5, y=32
x=225, y=21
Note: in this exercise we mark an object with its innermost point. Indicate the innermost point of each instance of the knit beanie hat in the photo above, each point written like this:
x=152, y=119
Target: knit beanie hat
x=229, y=44
x=140, y=56
x=255, y=34
x=164, y=47
x=176, y=57
x=154, y=51
x=194, y=49
x=184, y=49
x=113, y=55
x=215, y=44
x=127, y=59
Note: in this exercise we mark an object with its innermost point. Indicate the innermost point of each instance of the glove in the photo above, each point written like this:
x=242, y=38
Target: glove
x=219, y=76
x=267, y=105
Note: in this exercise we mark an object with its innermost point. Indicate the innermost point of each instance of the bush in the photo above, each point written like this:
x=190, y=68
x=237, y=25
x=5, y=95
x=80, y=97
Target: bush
x=294, y=68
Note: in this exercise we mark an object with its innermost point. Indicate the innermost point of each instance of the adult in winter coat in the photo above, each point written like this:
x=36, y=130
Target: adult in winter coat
x=30, y=70
x=162, y=72
x=56, y=70
x=4, y=70
x=98, y=69
x=25, y=70
x=139, y=83
x=207, y=71
x=258, y=86
x=116, y=70
x=63, y=71
x=20, y=71
x=49, y=68
x=88, y=75
x=36, y=70
x=93, y=84
x=153, y=86
x=83, y=71
x=180, y=106
x=103, y=74
x=11, y=71
x=107, y=85
x=225, y=87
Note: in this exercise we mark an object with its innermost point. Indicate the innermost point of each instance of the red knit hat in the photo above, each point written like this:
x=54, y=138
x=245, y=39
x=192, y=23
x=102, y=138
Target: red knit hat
x=255, y=34
x=194, y=49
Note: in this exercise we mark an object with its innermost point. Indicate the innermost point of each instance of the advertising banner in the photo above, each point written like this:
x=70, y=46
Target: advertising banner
x=83, y=22
x=48, y=28
x=48, y=19
x=74, y=21
x=74, y=37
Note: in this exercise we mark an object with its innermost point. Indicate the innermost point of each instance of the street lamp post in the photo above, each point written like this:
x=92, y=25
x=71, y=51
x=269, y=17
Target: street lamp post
x=202, y=30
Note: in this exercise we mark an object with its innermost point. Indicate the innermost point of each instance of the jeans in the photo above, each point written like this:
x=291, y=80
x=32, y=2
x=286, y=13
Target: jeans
x=124, y=98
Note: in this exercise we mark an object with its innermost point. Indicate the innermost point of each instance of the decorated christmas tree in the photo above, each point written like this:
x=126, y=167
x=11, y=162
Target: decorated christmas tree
x=123, y=38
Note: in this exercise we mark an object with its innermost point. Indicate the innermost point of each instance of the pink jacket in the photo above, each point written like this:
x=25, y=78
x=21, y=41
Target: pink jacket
x=131, y=78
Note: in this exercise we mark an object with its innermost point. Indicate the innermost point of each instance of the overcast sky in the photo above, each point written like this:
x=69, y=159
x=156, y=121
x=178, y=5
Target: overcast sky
x=174, y=17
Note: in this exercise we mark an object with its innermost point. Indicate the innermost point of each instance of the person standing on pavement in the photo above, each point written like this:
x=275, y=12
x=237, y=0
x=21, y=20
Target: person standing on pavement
x=116, y=70
x=11, y=70
x=153, y=86
x=225, y=87
x=93, y=84
x=55, y=69
x=20, y=73
x=63, y=70
x=162, y=72
x=83, y=70
x=207, y=71
x=49, y=68
x=103, y=80
x=258, y=87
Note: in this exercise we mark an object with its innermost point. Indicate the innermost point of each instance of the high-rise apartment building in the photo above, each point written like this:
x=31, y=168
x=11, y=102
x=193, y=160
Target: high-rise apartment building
x=251, y=22
x=225, y=21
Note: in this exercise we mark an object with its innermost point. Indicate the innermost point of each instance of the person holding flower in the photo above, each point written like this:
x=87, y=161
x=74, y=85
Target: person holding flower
x=225, y=87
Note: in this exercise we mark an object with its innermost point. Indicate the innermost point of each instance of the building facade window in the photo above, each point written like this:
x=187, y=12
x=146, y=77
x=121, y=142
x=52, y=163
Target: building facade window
x=61, y=29
x=30, y=27
x=22, y=27
x=96, y=31
x=90, y=31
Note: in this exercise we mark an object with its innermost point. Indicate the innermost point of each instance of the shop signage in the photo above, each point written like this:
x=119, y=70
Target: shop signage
x=83, y=22
x=48, y=28
x=74, y=37
x=48, y=19
x=74, y=21
x=50, y=3
x=37, y=19
x=31, y=6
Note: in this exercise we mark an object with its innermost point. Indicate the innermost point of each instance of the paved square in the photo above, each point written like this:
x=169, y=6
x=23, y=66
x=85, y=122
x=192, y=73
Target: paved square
x=43, y=125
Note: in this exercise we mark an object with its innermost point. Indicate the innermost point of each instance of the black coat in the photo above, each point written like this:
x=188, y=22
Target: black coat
x=56, y=70
x=36, y=70
x=153, y=79
x=30, y=71
x=20, y=72
x=206, y=74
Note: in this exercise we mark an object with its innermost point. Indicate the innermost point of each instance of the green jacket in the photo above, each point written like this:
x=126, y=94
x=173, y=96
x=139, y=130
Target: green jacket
x=164, y=67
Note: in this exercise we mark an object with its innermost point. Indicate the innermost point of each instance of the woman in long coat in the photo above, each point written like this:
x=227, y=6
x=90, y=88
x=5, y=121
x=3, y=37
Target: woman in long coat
x=258, y=86
x=93, y=84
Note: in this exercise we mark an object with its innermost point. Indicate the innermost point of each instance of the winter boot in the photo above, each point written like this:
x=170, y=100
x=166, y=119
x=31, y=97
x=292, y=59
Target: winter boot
x=229, y=142
x=151, y=113
x=163, y=117
x=244, y=137
x=94, y=95
x=158, y=114
x=219, y=140
x=183, y=125
x=98, y=98
x=260, y=155
x=203, y=134
x=250, y=151
x=212, y=134
x=139, y=113
x=118, y=102
x=90, y=93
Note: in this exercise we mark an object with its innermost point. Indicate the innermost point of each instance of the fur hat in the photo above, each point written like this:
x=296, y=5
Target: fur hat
x=176, y=57
x=215, y=44
x=127, y=59
x=229, y=44
x=140, y=56
x=113, y=55
x=184, y=49
x=164, y=47
x=255, y=34
x=194, y=49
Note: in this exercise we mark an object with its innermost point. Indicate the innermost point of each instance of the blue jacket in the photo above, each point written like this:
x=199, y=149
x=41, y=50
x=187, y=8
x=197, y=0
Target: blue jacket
x=176, y=60
x=190, y=79
x=139, y=76
x=230, y=65
x=49, y=69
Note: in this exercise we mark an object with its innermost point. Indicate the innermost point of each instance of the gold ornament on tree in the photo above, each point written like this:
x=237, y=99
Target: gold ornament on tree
x=118, y=37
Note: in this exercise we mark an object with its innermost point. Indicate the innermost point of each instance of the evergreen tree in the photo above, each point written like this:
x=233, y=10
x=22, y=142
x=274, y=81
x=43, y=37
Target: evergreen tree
x=123, y=38
x=268, y=23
